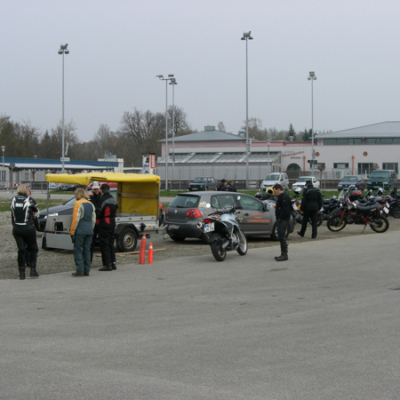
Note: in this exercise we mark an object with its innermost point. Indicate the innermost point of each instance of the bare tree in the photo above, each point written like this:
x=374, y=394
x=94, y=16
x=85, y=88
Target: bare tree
x=221, y=127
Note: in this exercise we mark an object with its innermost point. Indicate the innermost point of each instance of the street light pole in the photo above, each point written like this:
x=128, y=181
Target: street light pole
x=3, y=148
x=63, y=50
x=170, y=77
x=246, y=36
x=173, y=83
x=268, y=143
x=312, y=78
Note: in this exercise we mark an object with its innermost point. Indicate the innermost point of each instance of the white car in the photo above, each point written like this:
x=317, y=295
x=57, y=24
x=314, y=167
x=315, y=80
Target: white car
x=301, y=182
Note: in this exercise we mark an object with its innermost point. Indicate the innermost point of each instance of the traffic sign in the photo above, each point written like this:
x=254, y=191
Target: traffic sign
x=65, y=159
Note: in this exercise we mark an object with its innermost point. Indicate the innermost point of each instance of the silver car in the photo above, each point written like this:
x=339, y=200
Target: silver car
x=186, y=210
x=275, y=177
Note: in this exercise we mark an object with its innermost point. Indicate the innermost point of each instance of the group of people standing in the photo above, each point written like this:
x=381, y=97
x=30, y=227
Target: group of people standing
x=226, y=186
x=310, y=207
x=93, y=217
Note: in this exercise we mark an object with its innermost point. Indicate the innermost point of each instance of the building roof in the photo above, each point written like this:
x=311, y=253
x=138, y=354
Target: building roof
x=209, y=134
x=381, y=129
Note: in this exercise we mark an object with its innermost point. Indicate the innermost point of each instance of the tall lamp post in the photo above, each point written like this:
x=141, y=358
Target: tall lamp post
x=269, y=169
x=312, y=78
x=173, y=83
x=246, y=36
x=3, y=148
x=63, y=50
x=170, y=77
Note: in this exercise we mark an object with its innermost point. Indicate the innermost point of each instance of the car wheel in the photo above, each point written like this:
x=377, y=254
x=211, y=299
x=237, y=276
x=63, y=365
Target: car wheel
x=177, y=238
x=127, y=240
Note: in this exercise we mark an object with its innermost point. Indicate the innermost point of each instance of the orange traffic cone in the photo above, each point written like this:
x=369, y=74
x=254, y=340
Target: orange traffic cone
x=142, y=250
x=150, y=257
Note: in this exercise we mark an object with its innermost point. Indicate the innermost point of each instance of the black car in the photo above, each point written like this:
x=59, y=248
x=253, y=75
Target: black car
x=203, y=183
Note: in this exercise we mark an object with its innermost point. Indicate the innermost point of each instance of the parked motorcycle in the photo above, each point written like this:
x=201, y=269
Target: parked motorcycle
x=361, y=214
x=224, y=234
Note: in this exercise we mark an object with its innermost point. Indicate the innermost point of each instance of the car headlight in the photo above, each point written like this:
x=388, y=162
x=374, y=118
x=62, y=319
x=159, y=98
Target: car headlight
x=53, y=215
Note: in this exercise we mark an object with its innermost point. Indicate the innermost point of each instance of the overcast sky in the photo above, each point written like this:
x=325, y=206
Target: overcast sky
x=118, y=47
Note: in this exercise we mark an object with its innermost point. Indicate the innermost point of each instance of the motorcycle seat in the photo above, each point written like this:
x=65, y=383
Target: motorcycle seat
x=366, y=207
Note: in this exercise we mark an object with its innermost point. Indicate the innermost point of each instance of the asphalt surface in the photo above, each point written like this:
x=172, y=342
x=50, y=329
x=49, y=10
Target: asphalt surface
x=323, y=325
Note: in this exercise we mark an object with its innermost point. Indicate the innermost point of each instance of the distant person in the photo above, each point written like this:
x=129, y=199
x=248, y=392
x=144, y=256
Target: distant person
x=94, y=198
x=222, y=187
x=22, y=211
x=310, y=207
x=282, y=212
x=105, y=223
x=35, y=221
x=230, y=186
x=81, y=231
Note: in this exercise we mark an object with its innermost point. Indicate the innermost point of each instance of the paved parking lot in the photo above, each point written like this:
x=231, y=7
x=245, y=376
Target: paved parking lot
x=324, y=325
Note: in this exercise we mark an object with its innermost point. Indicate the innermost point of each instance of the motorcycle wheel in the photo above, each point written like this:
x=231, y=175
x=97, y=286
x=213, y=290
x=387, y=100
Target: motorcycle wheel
x=379, y=224
x=218, y=252
x=395, y=212
x=320, y=218
x=336, y=224
x=242, y=249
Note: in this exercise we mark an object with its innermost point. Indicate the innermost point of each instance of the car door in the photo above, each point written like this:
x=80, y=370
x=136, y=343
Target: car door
x=252, y=217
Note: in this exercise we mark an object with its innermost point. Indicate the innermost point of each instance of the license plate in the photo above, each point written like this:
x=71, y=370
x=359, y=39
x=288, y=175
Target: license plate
x=386, y=210
x=173, y=226
x=294, y=206
x=208, y=227
x=387, y=205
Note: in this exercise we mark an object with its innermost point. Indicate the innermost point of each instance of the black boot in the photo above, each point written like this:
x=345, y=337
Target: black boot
x=34, y=273
x=114, y=266
x=282, y=257
x=21, y=273
x=106, y=268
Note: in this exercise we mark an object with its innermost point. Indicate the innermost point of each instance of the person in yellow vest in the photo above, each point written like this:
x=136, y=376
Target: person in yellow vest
x=83, y=222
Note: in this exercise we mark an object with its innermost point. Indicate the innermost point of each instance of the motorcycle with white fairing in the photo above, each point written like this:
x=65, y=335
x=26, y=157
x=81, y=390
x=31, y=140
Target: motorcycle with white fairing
x=223, y=232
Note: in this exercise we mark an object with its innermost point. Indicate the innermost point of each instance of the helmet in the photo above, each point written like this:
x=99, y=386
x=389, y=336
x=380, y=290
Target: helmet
x=270, y=190
x=334, y=198
x=380, y=191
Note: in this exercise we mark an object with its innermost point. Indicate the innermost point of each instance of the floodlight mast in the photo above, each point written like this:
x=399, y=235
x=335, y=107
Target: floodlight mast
x=63, y=50
x=247, y=36
x=312, y=78
x=170, y=77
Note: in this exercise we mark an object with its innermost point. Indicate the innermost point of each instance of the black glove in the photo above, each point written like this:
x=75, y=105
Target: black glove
x=72, y=239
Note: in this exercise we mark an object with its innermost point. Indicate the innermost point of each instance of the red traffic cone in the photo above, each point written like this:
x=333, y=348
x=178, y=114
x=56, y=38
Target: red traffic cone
x=150, y=256
x=142, y=250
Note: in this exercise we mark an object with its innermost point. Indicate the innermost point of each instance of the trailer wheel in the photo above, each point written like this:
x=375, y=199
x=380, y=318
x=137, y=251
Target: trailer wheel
x=127, y=240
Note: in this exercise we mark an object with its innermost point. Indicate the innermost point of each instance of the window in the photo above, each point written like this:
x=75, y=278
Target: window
x=386, y=141
x=248, y=203
x=394, y=166
x=222, y=201
x=354, y=141
x=342, y=141
x=341, y=165
x=329, y=141
x=364, y=168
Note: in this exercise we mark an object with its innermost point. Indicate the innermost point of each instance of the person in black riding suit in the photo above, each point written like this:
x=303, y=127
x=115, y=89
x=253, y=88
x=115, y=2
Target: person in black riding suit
x=311, y=205
x=24, y=232
x=105, y=224
x=282, y=212
x=94, y=198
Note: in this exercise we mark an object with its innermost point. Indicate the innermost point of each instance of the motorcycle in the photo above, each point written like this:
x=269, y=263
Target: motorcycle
x=224, y=234
x=360, y=214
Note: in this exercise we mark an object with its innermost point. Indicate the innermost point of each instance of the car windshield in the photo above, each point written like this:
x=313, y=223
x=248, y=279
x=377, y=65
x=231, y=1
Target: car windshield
x=185, y=201
x=380, y=174
x=199, y=180
x=350, y=179
x=70, y=202
x=272, y=177
x=304, y=179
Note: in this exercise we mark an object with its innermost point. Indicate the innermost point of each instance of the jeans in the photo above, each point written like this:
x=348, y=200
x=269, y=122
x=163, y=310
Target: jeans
x=82, y=253
x=282, y=228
